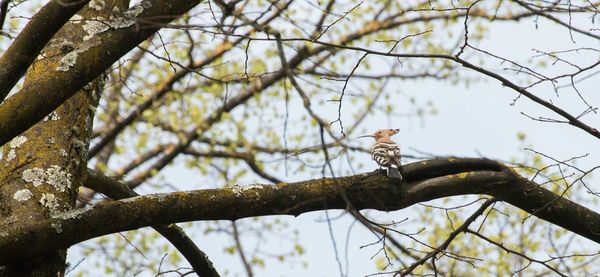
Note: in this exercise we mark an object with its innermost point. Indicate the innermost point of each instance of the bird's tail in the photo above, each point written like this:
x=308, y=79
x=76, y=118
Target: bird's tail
x=394, y=172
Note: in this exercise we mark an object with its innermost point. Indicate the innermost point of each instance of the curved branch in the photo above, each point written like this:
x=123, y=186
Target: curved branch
x=570, y=119
x=173, y=233
x=542, y=13
x=425, y=181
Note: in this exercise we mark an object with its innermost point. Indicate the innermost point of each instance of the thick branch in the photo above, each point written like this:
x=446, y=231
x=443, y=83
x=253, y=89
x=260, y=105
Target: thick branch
x=40, y=29
x=425, y=181
x=196, y=257
x=38, y=99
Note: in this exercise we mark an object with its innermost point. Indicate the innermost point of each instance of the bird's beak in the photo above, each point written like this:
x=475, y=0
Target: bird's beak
x=366, y=136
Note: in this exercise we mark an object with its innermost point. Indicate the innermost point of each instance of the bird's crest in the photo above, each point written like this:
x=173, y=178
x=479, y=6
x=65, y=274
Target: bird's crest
x=383, y=135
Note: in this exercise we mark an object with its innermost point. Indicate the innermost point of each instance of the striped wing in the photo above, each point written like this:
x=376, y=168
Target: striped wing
x=386, y=154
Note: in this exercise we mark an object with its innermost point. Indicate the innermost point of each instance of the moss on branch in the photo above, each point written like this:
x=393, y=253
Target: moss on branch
x=425, y=181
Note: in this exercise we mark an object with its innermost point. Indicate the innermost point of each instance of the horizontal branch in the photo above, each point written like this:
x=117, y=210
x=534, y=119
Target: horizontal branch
x=173, y=233
x=425, y=181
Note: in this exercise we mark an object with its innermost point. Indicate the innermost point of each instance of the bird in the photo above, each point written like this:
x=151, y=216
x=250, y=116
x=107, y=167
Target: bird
x=385, y=152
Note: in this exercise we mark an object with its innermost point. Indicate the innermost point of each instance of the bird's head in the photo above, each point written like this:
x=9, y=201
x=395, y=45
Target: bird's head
x=382, y=133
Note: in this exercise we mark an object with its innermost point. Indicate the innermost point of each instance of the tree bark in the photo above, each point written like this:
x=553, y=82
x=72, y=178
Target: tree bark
x=424, y=181
x=86, y=62
x=45, y=166
x=26, y=47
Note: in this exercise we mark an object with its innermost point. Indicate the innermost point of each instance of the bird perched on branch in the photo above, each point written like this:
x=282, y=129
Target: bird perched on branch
x=386, y=152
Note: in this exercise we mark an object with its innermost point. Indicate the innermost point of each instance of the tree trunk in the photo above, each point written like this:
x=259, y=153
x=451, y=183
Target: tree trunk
x=43, y=166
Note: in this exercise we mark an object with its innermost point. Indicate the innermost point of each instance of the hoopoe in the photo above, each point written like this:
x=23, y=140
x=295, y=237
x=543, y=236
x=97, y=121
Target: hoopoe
x=386, y=152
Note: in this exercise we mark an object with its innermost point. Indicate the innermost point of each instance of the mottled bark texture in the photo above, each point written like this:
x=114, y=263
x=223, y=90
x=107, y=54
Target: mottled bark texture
x=44, y=166
x=38, y=31
x=109, y=40
x=426, y=180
